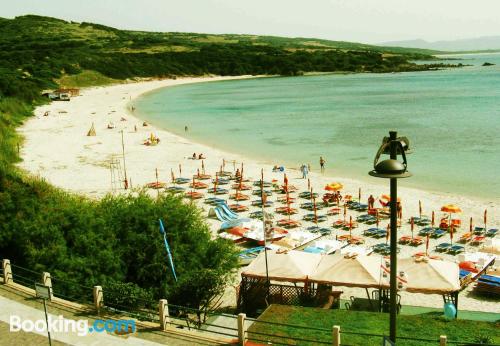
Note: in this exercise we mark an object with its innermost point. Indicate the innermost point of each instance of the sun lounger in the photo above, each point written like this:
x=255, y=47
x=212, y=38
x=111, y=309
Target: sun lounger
x=443, y=247
x=322, y=230
x=182, y=180
x=465, y=237
x=175, y=189
x=456, y=249
x=491, y=232
x=258, y=203
x=214, y=200
x=264, y=184
x=479, y=230
x=193, y=195
x=478, y=239
x=437, y=233
x=234, y=223
x=334, y=211
x=239, y=208
x=288, y=223
x=307, y=195
x=259, y=193
x=310, y=217
x=220, y=181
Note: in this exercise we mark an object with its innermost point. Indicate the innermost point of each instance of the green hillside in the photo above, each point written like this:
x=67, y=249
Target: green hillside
x=41, y=49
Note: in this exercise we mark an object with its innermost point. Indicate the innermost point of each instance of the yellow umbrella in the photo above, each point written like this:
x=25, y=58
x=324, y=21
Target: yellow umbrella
x=451, y=208
x=334, y=187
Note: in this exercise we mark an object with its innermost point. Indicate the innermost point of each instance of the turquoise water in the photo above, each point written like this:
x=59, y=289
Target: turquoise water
x=452, y=118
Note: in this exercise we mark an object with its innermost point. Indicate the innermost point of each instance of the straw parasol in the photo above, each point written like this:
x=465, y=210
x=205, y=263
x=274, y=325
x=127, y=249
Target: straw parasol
x=430, y=276
x=291, y=266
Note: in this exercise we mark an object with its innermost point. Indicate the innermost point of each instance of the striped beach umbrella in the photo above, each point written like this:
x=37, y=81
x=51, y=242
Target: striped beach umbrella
x=412, y=225
x=420, y=208
x=334, y=187
x=485, y=218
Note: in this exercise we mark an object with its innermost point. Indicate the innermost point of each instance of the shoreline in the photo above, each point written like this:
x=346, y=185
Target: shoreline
x=57, y=148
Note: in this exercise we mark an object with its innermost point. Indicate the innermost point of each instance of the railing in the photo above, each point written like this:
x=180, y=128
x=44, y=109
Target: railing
x=232, y=328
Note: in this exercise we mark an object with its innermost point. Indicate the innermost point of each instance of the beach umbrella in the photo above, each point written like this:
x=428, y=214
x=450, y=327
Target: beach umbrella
x=285, y=182
x=420, y=208
x=470, y=225
x=308, y=184
x=432, y=219
x=241, y=175
x=345, y=211
x=157, y=182
x=172, y=175
x=451, y=234
x=376, y=217
x=387, y=233
x=350, y=226
x=223, y=164
x=198, y=173
x=180, y=170
x=385, y=199
x=427, y=245
x=221, y=169
x=334, y=187
x=359, y=195
x=216, y=182
x=485, y=218
x=450, y=208
x=203, y=166
x=412, y=225
x=315, y=210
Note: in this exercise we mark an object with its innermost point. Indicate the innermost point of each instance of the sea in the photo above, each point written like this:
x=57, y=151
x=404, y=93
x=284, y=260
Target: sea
x=451, y=118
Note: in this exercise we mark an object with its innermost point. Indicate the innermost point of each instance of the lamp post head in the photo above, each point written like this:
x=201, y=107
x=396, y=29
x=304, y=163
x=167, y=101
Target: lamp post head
x=391, y=168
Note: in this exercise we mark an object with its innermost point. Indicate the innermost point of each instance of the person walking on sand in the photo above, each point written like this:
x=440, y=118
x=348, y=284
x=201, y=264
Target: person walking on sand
x=304, y=170
x=322, y=163
x=371, y=202
x=399, y=208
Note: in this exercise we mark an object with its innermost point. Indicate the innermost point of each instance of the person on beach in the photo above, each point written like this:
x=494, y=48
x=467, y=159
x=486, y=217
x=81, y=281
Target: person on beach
x=201, y=157
x=371, y=202
x=135, y=128
x=399, y=208
x=194, y=156
x=304, y=170
x=237, y=174
x=185, y=128
x=322, y=163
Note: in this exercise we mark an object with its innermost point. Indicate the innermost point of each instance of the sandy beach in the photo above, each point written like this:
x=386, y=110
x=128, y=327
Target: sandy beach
x=58, y=149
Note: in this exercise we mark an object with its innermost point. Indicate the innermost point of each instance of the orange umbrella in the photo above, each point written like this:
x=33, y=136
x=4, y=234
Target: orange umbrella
x=172, y=175
x=359, y=195
x=345, y=211
x=308, y=184
x=420, y=208
x=470, y=225
x=385, y=199
x=427, y=245
x=451, y=208
x=334, y=187
x=180, y=170
x=432, y=220
x=203, y=166
x=387, y=234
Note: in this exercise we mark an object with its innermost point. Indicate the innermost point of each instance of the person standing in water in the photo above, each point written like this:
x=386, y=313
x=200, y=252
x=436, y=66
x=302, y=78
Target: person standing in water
x=322, y=163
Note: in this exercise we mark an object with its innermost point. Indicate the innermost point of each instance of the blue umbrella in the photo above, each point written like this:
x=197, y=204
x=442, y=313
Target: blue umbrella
x=162, y=231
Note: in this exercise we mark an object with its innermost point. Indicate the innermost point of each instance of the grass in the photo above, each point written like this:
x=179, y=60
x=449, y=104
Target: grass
x=426, y=326
x=84, y=79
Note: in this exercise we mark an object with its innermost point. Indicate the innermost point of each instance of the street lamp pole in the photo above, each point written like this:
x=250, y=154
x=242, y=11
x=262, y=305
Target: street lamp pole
x=393, y=170
x=394, y=239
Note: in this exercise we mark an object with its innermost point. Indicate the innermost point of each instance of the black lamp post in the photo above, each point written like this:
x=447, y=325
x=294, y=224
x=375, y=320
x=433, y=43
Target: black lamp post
x=392, y=169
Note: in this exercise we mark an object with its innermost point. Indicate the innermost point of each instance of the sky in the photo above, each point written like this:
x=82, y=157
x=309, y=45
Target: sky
x=368, y=21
